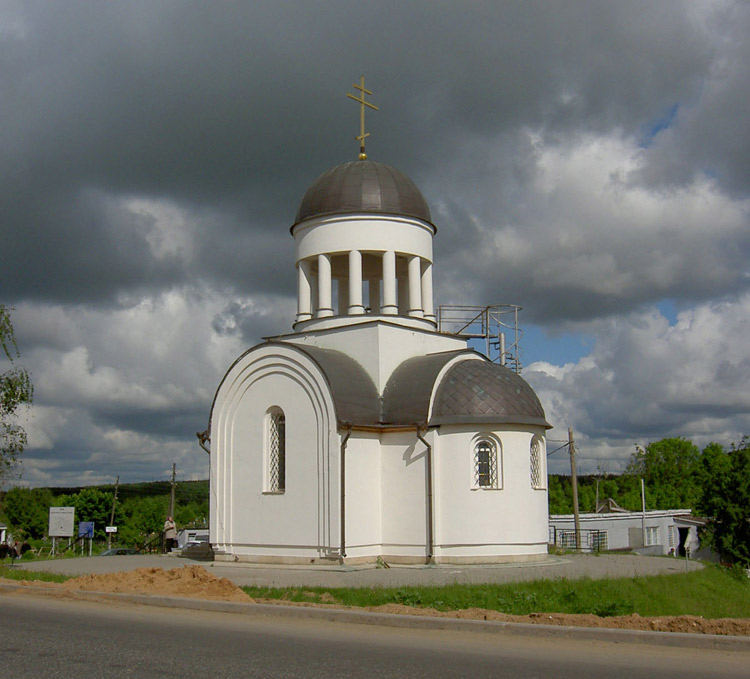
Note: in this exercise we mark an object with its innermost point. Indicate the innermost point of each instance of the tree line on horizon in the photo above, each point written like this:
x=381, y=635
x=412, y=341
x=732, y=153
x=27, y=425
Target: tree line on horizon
x=713, y=482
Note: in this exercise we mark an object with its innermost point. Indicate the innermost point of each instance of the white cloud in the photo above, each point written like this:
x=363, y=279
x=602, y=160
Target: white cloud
x=646, y=379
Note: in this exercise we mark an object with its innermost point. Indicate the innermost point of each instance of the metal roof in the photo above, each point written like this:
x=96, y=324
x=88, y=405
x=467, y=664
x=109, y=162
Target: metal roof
x=473, y=390
x=406, y=397
x=480, y=391
x=354, y=393
x=363, y=186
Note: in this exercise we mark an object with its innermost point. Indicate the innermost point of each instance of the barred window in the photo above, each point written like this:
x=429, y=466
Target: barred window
x=536, y=466
x=598, y=540
x=485, y=464
x=276, y=451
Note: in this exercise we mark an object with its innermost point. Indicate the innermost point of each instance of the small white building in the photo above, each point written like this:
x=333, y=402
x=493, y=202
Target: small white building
x=655, y=532
x=365, y=433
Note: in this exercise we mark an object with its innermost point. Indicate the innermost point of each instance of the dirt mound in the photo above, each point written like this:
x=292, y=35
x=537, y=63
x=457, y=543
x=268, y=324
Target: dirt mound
x=682, y=623
x=190, y=581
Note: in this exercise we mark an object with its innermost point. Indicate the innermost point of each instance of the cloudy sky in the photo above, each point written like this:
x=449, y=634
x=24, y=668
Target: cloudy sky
x=589, y=161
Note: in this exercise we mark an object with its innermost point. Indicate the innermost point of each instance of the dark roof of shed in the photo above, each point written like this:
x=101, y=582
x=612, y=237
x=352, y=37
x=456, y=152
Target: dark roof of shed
x=363, y=186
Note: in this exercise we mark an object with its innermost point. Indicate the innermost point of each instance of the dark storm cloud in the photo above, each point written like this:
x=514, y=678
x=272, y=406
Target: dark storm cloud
x=234, y=109
x=580, y=159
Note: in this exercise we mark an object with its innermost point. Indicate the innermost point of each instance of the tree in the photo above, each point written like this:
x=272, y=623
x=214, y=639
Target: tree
x=670, y=468
x=27, y=510
x=91, y=504
x=16, y=390
x=726, y=500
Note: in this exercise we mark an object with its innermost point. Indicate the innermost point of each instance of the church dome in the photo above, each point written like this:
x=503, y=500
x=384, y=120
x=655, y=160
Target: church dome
x=363, y=186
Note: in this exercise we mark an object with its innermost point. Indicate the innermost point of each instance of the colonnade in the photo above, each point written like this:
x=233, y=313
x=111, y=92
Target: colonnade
x=400, y=286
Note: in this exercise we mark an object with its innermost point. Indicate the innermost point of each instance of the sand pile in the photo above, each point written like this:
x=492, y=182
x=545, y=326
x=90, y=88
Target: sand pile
x=682, y=623
x=190, y=581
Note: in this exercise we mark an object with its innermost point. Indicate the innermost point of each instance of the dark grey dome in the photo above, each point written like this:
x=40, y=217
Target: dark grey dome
x=480, y=391
x=363, y=186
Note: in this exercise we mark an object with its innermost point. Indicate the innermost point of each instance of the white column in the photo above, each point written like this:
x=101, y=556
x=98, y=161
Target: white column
x=356, y=307
x=427, y=303
x=415, y=287
x=324, y=287
x=389, y=307
x=304, y=291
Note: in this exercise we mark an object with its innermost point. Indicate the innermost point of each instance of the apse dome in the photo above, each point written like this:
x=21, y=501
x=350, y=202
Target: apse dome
x=363, y=186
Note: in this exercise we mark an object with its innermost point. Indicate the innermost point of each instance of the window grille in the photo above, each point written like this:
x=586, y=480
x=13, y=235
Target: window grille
x=598, y=540
x=567, y=539
x=652, y=535
x=277, y=452
x=536, y=463
x=671, y=537
x=485, y=464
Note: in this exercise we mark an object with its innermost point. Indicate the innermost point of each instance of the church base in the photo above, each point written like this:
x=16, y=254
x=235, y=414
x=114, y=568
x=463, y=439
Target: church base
x=375, y=561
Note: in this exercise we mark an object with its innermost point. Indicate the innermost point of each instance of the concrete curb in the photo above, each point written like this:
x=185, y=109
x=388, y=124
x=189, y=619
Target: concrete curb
x=345, y=615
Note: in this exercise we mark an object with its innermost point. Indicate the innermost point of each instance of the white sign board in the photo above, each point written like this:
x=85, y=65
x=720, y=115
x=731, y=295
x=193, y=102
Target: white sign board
x=110, y=529
x=61, y=522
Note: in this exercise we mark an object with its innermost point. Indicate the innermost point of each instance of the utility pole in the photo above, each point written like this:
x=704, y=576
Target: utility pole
x=574, y=482
x=112, y=515
x=171, y=497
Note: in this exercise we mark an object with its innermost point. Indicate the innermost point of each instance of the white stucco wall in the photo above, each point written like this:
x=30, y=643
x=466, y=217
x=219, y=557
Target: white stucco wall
x=246, y=519
x=510, y=521
x=379, y=347
x=404, y=495
x=363, y=496
x=366, y=233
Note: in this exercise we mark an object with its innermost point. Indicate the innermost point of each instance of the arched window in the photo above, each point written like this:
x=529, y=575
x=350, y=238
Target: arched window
x=536, y=466
x=485, y=464
x=276, y=451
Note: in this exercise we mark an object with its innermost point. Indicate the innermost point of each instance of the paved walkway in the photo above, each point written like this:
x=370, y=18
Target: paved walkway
x=569, y=567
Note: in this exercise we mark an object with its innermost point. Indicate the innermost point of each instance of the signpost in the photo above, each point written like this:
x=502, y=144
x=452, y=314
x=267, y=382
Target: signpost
x=60, y=524
x=86, y=530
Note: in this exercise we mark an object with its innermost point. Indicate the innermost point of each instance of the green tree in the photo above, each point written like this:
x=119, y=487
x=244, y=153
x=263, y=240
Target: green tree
x=16, y=390
x=670, y=468
x=725, y=499
x=91, y=504
x=27, y=510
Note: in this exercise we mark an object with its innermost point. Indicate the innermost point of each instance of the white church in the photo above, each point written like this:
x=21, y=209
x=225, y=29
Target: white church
x=365, y=433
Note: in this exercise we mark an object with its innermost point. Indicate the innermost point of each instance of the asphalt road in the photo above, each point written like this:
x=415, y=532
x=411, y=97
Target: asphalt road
x=43, y=638
x=569, y=567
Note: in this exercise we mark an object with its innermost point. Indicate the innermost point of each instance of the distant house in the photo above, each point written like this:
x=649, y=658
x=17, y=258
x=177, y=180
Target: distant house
x=3, y=528
x=654, y=533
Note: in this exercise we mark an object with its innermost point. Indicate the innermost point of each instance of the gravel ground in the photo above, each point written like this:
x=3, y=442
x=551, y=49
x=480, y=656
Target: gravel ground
x=555, y=567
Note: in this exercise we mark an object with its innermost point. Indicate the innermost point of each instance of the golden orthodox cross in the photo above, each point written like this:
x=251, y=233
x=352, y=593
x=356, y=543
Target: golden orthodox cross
x=363, y=103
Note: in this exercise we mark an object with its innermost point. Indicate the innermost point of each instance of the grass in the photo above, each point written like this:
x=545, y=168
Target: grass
x=10, y=573
x=712, y=592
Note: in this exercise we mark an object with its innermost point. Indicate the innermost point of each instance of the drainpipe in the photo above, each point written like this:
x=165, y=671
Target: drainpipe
x=203, y=438
x=343, y=492
x=430, y=526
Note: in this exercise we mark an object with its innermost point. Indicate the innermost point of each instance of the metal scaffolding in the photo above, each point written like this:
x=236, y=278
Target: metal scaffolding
x=496, y=325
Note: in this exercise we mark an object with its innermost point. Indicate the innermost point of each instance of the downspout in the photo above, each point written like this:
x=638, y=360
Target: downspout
x=430, y=526
x=203, y=438
x=343, y=492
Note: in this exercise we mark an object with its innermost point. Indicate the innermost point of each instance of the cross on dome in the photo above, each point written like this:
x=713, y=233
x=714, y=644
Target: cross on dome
x=362, y=102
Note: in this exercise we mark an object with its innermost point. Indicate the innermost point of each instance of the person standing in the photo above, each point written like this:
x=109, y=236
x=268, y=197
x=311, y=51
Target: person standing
x=170, y=534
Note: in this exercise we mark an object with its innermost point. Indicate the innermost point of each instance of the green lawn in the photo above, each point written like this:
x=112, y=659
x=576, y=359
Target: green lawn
x=713, y=592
